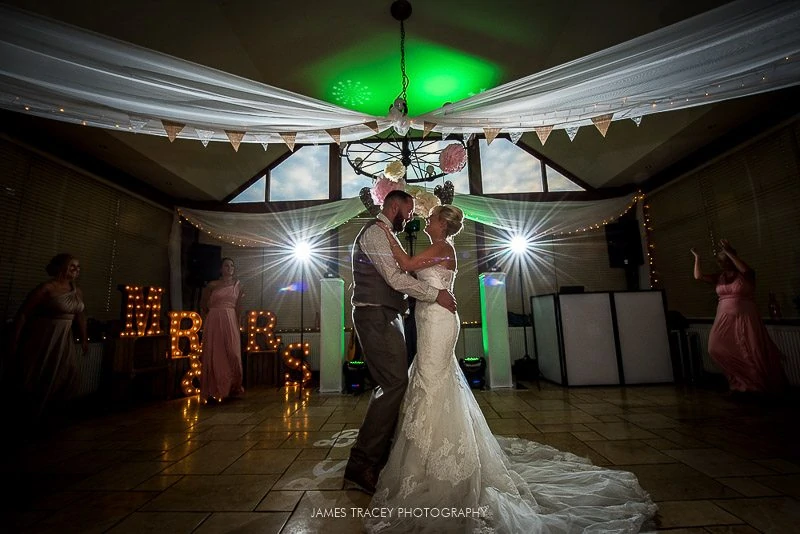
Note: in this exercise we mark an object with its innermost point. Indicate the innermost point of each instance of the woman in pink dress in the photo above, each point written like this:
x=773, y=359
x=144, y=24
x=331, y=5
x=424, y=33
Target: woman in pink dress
x=739, y=342
x=221, y=375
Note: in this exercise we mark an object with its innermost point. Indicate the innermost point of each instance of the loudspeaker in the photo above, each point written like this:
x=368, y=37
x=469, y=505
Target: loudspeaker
x=205, y=262
x=624, y=243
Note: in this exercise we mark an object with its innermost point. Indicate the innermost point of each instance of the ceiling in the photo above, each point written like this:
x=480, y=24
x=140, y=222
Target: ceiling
x=297, y=45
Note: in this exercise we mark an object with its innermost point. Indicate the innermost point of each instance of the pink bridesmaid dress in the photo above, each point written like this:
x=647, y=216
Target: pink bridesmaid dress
x=739, y=342
x=221, y=357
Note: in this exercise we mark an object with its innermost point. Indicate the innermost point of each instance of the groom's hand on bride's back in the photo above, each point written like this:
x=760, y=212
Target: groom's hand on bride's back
x=446, y=299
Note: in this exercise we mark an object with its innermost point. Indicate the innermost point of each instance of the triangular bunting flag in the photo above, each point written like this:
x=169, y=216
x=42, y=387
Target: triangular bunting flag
x=543, y=132
x=602, y=123
x=515, y=136
x=571, y=131
x=467, y=137
x=137, y=123
x=235, y=138
x=204, y=135
x=263, y=139
x=372, y=125
x=336, y=134
x=490, y=133
x=637, y=120
x=289, y=138
x=172, y=129
x=445, y=131
x=427, y=127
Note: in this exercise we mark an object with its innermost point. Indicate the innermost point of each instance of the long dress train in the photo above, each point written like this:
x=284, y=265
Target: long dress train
x=448, y=473
x=222, y=374
x=739, y=342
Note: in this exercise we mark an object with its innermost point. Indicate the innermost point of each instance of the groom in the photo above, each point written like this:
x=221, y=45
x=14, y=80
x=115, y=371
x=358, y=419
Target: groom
x=380, y=290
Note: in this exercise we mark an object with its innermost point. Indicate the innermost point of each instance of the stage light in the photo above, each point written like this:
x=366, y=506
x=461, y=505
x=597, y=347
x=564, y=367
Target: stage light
x=518, y=244
x=302, y=251
x=474, y=369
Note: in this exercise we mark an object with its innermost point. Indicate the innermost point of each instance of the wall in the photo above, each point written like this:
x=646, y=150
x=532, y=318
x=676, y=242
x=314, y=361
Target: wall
x=49, y=207
x=749, y=196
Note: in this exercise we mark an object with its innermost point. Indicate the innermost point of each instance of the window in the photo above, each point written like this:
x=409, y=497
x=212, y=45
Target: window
x=506, y=168
x=557, y=182
x=255, y=193
x=302, y=176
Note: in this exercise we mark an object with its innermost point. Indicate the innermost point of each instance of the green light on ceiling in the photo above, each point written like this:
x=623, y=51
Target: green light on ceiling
x=366, y=78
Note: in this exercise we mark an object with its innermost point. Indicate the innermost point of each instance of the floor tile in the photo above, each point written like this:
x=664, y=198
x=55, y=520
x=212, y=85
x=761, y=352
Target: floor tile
x=673, y=514
x=175, y=522
x=220, y=493
x=244, y=523
x=771, y=514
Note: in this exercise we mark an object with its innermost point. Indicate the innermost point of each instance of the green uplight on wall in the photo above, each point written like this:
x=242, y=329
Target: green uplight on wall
x=367, y=78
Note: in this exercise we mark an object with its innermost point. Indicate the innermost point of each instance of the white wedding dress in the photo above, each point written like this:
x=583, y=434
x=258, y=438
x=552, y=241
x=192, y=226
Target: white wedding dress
x=447, y=472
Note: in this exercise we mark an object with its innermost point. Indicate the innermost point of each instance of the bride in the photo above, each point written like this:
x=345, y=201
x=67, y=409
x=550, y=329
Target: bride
x=446, y=471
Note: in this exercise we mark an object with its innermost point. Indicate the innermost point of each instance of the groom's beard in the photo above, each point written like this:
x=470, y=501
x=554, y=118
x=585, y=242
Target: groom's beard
x=399, y=223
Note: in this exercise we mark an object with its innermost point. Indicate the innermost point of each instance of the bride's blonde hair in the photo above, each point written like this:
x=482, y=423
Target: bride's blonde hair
x=454, y=218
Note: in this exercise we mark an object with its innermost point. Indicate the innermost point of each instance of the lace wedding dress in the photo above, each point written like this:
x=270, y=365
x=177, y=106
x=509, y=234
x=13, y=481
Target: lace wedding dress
x=448, y=473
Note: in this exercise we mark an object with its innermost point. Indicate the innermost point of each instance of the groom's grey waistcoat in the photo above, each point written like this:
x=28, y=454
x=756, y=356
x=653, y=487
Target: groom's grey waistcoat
x=369, y=285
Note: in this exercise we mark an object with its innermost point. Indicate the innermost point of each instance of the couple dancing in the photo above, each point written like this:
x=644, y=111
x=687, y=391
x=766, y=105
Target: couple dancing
x=424, y=442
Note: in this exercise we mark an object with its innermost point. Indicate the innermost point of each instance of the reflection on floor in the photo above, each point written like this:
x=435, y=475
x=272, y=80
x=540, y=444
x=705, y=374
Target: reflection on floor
x=268, y=462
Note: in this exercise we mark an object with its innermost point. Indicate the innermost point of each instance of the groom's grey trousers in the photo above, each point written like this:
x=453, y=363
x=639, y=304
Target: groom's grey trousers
x=380, y=332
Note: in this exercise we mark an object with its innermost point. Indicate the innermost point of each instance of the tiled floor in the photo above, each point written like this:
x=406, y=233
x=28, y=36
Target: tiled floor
x=268, y=462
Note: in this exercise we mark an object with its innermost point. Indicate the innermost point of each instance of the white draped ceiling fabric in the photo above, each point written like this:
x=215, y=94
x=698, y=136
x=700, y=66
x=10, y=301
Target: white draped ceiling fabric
x=283, y=230
x=61, y=72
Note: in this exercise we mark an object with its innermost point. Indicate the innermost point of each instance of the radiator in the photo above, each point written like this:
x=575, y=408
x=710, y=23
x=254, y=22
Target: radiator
x=787, y=338
x=89, y=366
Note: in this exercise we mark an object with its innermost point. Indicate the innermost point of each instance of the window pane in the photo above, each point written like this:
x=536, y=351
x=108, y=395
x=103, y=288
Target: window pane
x=558, y=182
x=254, y=193
x=302, y=176
x=352, y=182
x=506, y=168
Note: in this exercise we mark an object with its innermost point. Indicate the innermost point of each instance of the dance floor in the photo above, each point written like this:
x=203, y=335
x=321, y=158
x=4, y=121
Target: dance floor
x=269, y=463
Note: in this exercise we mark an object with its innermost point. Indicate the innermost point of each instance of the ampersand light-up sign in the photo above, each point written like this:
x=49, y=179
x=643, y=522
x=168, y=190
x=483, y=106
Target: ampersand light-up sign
x=142, y=312
x=176, y=332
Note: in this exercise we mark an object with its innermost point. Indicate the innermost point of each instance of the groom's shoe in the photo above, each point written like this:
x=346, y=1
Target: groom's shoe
x=364, y=479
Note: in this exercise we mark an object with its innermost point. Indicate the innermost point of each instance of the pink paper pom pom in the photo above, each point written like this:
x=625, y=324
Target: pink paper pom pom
x=453, y=158
x=382, y=188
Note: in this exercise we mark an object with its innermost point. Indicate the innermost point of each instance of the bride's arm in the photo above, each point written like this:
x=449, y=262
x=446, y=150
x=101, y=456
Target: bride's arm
x=436, y=253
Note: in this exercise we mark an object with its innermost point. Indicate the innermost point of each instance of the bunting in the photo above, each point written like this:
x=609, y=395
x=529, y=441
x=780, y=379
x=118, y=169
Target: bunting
x=289, y=139
x=204, y=135
x=571, y=131
x=172, y=129
x=543, y=132
x=490, y=133
x=602, y=123
x=235, y=138
x=336, y=134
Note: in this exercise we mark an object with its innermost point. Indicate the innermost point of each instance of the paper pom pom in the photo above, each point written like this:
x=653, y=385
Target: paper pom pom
x=395, y=170
x=424, y=201
x=445, y=193
x=453, y=158
x=382, y=188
